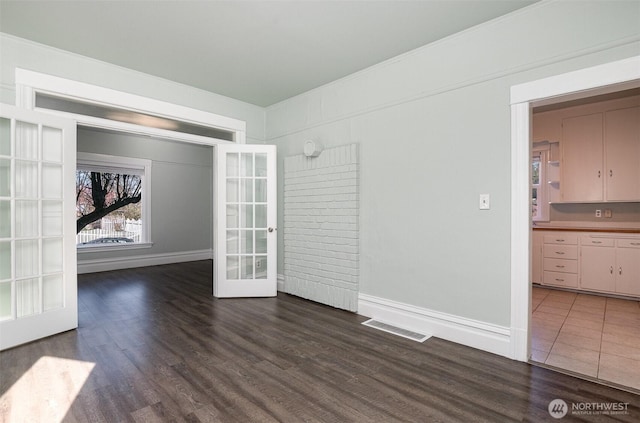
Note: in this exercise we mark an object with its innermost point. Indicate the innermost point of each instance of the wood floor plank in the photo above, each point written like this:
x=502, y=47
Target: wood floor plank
x=162, y=349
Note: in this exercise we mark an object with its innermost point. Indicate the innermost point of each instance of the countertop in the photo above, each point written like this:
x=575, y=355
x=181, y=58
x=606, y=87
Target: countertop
x=621, y=228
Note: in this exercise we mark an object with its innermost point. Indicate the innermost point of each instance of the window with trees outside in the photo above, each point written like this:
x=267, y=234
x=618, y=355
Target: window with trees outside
x=539, y=195
x=112, y=202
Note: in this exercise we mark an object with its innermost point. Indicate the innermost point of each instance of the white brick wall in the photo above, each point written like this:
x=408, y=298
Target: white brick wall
x=321, y=234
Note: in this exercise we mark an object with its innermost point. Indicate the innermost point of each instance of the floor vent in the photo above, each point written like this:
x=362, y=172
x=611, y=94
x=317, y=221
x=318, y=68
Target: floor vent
x=414, y=336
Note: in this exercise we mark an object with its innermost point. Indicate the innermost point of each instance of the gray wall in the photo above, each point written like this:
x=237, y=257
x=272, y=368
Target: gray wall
x=434, y=132
x=181, y=189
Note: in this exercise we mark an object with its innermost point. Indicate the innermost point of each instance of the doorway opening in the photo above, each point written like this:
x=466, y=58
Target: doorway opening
x=599, y=80
x=584, y=314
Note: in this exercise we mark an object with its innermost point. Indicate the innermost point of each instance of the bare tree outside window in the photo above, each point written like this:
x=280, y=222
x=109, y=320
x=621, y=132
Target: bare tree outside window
x=100, y=194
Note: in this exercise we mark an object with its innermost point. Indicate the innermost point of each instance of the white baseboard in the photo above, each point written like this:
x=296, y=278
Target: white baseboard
x=117, y=263
x=473, y=333
x=280, y=282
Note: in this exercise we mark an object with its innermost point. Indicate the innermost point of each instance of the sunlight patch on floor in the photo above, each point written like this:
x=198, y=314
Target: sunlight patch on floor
x=45, y=392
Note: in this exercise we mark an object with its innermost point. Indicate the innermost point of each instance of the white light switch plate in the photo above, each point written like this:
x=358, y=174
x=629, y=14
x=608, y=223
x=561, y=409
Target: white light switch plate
x=485, y=202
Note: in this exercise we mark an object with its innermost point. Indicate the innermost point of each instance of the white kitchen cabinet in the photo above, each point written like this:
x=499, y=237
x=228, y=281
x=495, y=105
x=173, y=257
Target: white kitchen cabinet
x=601, y=157
x=582, y=159
x=560, y=259
x=597, y=269
x=622, y=154
x=628, y=267
x=610, y=265
x=603, y=262
x=536, y=257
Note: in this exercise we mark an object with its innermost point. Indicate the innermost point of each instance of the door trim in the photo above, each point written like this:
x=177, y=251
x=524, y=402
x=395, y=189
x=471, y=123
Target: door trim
x=601, y=79
x=28, y=83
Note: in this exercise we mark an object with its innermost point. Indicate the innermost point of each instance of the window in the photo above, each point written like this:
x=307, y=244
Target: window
x=112, y=202
x=539, y=196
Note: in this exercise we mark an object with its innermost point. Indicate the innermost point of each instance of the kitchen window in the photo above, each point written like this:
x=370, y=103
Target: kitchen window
x=539, y=184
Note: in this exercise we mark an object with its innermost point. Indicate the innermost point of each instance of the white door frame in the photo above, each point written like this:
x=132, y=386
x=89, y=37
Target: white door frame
x=609, y=77
x=28, y=83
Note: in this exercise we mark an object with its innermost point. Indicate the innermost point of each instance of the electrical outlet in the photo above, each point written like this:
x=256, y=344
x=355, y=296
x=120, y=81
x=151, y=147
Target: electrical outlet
x=598, y=213
x=608, y=213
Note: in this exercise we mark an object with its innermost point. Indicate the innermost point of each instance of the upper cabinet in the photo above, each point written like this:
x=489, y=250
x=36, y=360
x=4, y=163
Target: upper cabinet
x=582, y=159
x=599, y=150
x=622, y=154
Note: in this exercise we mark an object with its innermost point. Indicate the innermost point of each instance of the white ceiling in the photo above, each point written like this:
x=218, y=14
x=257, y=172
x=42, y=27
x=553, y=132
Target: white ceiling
x=260, y=52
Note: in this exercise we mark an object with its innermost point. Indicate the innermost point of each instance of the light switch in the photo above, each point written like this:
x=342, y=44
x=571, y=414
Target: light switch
x=485, y=202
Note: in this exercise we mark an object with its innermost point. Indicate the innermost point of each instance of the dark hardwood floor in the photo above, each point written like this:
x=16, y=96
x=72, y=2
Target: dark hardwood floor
x=163, y=349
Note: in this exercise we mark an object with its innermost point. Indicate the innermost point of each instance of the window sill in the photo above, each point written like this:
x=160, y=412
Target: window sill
x=82, y=249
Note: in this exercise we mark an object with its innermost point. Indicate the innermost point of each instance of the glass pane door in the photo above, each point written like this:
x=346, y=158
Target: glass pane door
x=245, y=233
x=37, y=263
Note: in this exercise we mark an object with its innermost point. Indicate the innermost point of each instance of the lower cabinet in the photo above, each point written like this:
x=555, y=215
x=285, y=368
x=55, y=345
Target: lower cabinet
x=628, y=267
x=590, y=261
x=597, y=263
x=610, y=265
x=536, y=257
x=560, y=260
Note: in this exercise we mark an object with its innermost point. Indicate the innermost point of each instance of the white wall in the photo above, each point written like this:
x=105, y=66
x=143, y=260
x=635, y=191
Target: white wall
x=434, y=132
x=19, y=53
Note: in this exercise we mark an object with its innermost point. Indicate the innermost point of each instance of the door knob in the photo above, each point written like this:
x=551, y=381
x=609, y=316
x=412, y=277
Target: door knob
x=272, y=229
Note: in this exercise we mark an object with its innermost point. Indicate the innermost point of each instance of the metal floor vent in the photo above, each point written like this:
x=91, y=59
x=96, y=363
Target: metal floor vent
x=414, y=336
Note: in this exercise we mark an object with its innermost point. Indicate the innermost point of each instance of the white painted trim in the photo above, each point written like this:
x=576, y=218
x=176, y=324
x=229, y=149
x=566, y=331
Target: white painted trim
x=609, y=77
x=520, y=232
x=469, y=332
x=29, y=82
x=280, y=282
x=97, y=248
x=597, y=77
x=129, y=262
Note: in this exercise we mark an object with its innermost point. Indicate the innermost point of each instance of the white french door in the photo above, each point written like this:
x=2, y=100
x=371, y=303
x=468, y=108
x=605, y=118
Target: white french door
x=245, y=239
x=38, y=276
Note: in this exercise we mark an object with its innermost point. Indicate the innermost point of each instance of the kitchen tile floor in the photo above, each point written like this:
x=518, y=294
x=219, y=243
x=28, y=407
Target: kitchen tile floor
x=587, y=334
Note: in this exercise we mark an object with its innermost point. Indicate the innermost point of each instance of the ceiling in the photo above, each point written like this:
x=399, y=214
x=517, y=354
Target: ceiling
x=260, y=52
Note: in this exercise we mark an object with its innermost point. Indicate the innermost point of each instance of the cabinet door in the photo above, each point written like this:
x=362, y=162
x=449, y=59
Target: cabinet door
x=536, y=258
x=628, y=271
x=622, y=153
x=582, y=153
x=597, y=268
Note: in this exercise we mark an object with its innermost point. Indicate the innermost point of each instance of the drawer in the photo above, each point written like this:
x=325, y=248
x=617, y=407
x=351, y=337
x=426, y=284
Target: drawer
x=629, y=243
x=597, y=242
x=561, y=239
x=561, y=265
x=560, y=251
x=561, y=279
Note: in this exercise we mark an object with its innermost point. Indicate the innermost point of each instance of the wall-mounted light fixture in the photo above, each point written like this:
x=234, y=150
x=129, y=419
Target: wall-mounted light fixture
x=312, y=148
